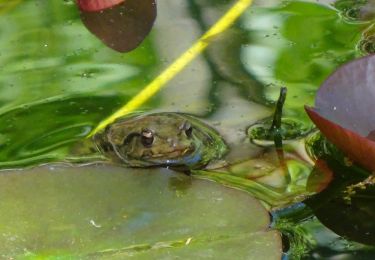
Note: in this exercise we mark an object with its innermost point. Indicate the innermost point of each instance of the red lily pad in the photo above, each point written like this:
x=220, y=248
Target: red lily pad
x=344, y=110
x=97, y=5
x=121, y=25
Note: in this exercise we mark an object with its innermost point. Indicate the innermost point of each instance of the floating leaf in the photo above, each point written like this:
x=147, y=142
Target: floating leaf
x=291, y=129
x=343, y=108
x=111, y=212
x=123, y=26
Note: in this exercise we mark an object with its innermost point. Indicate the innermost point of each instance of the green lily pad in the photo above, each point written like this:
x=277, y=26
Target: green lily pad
x=109, y=212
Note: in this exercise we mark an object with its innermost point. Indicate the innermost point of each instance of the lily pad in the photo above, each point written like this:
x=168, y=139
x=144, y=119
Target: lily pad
x=343, y=108
x=291, y=129
x=108, y=212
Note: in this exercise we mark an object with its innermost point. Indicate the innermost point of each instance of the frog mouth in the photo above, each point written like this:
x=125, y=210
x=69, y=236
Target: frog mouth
x=183, y=157
x=176, y=153
x=188, y=157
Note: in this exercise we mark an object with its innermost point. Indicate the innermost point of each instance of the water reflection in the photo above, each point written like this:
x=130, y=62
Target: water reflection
x=47, y=52
x=46, y=131
x=220, y=86
x=287, y=49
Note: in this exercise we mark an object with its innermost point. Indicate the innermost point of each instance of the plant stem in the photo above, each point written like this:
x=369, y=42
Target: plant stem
x=275, y=130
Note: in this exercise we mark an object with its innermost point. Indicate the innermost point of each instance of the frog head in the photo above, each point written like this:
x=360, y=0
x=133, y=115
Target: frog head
x=161, y=139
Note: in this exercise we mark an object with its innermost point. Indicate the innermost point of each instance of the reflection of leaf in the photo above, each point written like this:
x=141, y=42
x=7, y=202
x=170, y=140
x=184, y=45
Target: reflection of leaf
x=116, y=212
x=299, y=45
x=47, y=53
x=342, y=110
x=179, y=64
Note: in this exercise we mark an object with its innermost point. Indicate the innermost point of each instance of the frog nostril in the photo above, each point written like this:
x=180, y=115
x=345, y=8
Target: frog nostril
x=189, y=131
x=187, y=128
x=172, y=142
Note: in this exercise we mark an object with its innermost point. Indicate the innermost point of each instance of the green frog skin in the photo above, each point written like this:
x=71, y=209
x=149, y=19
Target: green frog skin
x=163, y=139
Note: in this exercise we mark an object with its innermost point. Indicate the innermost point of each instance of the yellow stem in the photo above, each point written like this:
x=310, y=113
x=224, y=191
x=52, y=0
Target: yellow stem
x=180, y=63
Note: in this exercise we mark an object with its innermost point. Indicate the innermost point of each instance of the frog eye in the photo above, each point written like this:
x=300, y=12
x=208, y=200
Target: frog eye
x=147, y=137
x=188, y=130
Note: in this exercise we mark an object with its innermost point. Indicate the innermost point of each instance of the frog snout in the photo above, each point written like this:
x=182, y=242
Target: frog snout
x=172, y=142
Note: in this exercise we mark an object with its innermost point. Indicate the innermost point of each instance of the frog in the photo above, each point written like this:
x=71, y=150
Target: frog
x=184, y=143
x=162, y=139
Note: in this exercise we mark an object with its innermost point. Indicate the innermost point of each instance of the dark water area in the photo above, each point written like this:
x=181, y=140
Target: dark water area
x=58, y=81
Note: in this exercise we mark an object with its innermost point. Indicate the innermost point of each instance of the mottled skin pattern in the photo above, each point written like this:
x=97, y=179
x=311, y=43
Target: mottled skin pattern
x=161, y=139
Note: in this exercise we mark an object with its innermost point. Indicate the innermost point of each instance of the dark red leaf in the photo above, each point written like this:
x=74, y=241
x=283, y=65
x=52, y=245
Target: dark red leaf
x=344, y=108
x=124, y=26
x=358, y=148
x=97, y=5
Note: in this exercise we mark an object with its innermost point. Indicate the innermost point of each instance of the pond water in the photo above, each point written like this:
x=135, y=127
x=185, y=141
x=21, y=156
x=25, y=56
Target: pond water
x=58, y=81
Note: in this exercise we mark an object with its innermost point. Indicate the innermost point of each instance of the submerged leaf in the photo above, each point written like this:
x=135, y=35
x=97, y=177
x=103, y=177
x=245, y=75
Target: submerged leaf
x=111, y=212
x=343, y=108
